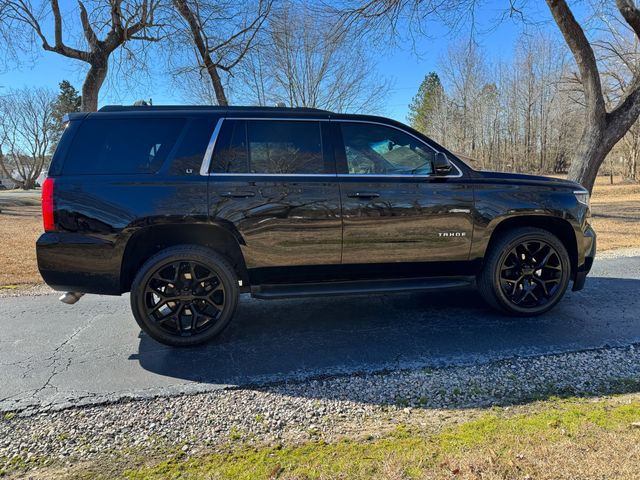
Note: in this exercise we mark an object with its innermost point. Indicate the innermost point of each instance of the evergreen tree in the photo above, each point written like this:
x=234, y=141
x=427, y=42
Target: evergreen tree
x=425, y=102
x=68, y=100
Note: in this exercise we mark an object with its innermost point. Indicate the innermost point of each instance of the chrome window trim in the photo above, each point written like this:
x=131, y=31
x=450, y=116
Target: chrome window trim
x=206, y=161
x=208, y=154
x=378, y=177
x=332, y=175
x=458, y=175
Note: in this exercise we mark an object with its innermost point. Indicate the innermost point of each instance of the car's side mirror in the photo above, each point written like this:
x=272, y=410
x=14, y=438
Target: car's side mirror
x=441, y=164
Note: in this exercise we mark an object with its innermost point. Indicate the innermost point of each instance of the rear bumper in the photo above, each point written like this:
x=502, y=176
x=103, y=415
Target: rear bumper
x=79, y=263
x=589, y=246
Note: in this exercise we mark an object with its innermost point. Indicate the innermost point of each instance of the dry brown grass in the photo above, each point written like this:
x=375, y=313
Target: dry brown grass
x=616, y=214
x=553, y=439
x=616, y=220
x=20, y=227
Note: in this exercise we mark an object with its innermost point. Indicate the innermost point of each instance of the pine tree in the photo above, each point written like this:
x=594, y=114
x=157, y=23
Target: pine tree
x=425, y=102
x=68, y=100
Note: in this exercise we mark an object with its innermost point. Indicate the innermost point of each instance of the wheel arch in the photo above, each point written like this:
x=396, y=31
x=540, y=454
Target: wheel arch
x=147, y=241
x=559, y=227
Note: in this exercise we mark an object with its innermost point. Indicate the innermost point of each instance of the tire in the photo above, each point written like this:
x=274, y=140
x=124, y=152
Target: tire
x=542, y=280
x=184, y=295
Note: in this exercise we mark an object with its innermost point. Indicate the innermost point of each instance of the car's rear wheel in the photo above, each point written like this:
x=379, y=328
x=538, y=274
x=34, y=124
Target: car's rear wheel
x=526, y=272
x=184, y=295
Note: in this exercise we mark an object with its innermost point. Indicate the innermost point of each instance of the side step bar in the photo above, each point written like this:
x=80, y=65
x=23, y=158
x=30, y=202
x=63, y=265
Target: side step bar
x=278, y=291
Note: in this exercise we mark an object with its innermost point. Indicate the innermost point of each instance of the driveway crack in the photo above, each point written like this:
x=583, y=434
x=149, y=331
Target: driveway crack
x=56, y=356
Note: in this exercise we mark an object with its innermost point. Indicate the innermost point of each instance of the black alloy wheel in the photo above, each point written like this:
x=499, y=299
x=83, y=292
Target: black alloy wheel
x=184, y=295
x=184, y=298
x=526, y=272
x=531, y=273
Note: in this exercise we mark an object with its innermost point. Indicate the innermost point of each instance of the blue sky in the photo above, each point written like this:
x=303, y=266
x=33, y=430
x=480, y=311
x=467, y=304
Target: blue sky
x=404, y=64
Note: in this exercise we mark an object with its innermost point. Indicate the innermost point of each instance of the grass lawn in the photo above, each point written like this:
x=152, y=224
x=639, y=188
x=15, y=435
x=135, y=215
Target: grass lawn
x=553, y=439
x=20, y=226
x=616, y=214
x=616, y=219
x=570, y=439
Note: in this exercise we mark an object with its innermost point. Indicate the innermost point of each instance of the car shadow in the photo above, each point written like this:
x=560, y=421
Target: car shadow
x=291, y=340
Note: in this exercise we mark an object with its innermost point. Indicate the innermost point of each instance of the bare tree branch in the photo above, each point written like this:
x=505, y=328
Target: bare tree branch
x=216, y=49
x=119, y=21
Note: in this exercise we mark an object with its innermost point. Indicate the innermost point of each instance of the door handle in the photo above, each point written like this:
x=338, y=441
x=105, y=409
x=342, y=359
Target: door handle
x=237, y=194
x=364, y=195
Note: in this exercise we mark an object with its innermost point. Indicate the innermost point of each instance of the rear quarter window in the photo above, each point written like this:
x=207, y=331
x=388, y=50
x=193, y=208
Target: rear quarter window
x=191, y=148
x=104, y=146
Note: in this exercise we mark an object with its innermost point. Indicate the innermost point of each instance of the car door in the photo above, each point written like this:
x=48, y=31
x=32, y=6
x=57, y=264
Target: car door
x=276, y=184
x=394, y=209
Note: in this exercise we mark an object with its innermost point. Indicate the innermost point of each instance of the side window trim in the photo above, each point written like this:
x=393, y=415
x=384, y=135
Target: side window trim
x=205, y=168
x=367, y=175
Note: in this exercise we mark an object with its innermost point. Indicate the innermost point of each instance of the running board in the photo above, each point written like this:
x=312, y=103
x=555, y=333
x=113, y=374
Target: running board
x=278, y=291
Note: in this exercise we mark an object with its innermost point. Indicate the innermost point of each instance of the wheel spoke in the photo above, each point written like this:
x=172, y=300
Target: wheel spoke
x=543, y=284
x=544, y=261
x=541, y=246
x=158, y=306
x=212, y=303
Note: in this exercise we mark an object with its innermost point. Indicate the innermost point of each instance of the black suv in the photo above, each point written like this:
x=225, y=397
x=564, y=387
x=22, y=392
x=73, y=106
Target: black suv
x=187, y=207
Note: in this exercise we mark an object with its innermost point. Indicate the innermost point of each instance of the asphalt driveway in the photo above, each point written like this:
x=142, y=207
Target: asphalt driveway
x=53, y=354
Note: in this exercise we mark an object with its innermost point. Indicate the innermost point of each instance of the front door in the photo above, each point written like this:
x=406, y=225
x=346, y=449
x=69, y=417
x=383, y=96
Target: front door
x=273, y=181
x=394, y=209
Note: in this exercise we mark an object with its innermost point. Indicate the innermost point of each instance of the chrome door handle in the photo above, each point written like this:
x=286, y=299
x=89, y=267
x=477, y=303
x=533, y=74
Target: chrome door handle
x=364, y=195
x=237, y=194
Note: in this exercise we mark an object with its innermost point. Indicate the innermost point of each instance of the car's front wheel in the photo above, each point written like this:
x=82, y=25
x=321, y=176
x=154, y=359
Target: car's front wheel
x=526, y=272
x=184, y=295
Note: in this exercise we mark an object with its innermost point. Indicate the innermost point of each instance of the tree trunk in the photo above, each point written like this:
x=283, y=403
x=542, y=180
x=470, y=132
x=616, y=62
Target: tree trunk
x=199, y=39
x=595, y=144
x=93, y=82
x=216, y=81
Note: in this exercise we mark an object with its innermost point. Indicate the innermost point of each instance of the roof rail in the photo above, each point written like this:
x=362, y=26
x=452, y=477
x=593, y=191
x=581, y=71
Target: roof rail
x=125, y=108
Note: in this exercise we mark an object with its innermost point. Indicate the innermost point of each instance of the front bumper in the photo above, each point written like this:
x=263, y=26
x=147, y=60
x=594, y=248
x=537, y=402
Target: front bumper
x=588, y=242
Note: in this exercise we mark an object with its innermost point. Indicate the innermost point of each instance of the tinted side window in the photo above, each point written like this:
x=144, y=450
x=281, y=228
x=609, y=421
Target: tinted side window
x=231, y=155
x=269, y=146
x=122, y=146
x=284, y=147
x=379, y=150
x=191, y=149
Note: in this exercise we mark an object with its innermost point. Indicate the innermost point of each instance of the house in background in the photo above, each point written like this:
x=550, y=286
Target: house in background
x=6, y=182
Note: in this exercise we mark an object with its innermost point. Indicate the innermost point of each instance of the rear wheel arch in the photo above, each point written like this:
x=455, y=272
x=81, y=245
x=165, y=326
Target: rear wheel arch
x=559, y=227
x=148, y=241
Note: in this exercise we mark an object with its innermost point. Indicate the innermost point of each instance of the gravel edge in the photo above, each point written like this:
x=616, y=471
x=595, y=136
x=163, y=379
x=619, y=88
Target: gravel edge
x=319, y=408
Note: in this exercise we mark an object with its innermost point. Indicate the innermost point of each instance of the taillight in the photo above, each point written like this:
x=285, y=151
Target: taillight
x=47, y=205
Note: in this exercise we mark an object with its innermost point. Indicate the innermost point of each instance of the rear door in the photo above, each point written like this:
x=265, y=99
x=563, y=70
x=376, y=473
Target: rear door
x=395, y=211
x=276, y=183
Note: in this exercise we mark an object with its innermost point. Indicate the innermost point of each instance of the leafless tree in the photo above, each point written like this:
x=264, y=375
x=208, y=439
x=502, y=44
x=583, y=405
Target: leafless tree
x=305, y=61
x=604, y=125
x=221, y=33
x=106, y=26
x=618, y=51
x=517, y=115
x=27, y=129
